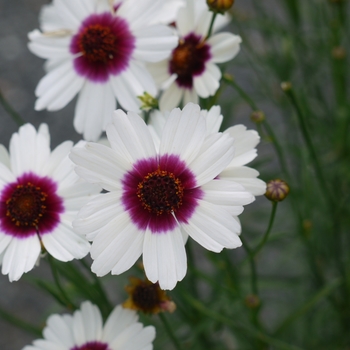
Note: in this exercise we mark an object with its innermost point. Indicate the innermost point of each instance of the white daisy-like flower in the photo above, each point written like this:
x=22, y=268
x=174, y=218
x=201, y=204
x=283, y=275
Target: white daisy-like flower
x=40, y=194
x=99, y=51
x=158, y=196
x=191, y=71
x=84, y=330
x=245, y=142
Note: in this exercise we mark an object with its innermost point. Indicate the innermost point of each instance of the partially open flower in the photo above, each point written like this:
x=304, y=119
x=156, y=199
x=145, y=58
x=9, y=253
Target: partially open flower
x=277, y=190
x=147, y=297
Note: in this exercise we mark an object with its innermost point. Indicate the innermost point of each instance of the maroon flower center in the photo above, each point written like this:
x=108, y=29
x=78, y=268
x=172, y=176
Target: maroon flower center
x=29, y=206
x=26, y=206
x=92, y=345
x=156, y=191
x=102, y=47
x=97, y=43
x=146, y=297
x=188, y=59
x=160, y=192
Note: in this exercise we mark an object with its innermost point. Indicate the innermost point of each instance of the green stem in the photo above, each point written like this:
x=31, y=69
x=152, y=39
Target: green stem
x=69, y=303
x=230, y=81
x=98, y=285
x=303, y=309
x=250, y=252
x=169, y=330
x=237, y=326
x=318, y=169
x=267, y=233
x=19, y=323
x=12, y=113
x=211, y=25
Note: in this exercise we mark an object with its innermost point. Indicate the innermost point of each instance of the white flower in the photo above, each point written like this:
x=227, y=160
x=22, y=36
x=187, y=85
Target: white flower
x=158, y=197
x=100, y=52
x=191, y=71
x=85, y=331
x=245, y=142
x=40, y=195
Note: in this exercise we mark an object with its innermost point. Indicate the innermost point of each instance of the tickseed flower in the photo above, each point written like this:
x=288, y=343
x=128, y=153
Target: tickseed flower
x=191, y=71
x=158, y=196
x=84, y=330
x=277, y=190
x=147, y=297
x=39, y=196
x=98, y=51
x=245, y=142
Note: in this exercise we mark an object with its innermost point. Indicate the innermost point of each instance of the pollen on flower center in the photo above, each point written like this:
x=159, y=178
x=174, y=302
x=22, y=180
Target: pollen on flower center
x=98, y=43
x=160, y=192
x=188, y=59
x=26, y=206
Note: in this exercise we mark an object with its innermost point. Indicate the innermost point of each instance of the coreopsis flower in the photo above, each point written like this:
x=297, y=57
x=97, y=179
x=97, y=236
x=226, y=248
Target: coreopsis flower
x=39, y=196
x=191, y=71
x=158, y=196
x=245, y=142
x=84, y=330
x=99, y=51
x=147, y=297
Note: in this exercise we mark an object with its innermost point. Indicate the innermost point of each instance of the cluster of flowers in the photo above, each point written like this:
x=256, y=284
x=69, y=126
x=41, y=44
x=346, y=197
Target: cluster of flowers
x=174, y=177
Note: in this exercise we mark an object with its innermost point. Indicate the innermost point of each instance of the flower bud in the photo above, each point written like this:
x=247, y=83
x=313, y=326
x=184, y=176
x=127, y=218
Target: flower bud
x=220, y=6
x=257, y=116
x=252, y=301
x=286, y=86
x=338, y=53
x=276, y=190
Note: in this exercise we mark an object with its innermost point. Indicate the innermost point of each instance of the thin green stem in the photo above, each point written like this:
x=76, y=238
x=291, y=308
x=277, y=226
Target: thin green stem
x=169, y=330
x=98, y=285
x=210, y=30
x=318, y=169
x=11, y=112
x=55, y=274
x=254, y=277
x=267, y=233
x=238, y=326
x=19, y=323
x=230, y=81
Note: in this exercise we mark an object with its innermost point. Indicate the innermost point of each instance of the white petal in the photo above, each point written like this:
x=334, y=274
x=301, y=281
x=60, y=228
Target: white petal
x=185, y=20
x=171, y=97
x=214, y=119
x=130, y=138
x=72, y=11
x=87, y=324
x=207, y=83
x=58, y=87
x=29, y=150
x=213, y=228
x=20, y=256
x=119, y=320
x=118, y=237
x=228, y=193
x=224, y=46
x=64, y=244
x=214, y=156
x=94, y=109
x=164, y=257
x=46, y=46
x=190, y=95
x=4, y=241
x=183, y=133
x=154, y=43
x=4, y=156
x=59, y=330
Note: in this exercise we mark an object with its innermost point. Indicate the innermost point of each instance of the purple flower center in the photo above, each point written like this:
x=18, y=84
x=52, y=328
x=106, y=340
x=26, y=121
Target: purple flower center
x=30, y=205
x=103, y=46
x=92, y=345
x=159, y=194
x=188, y=59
